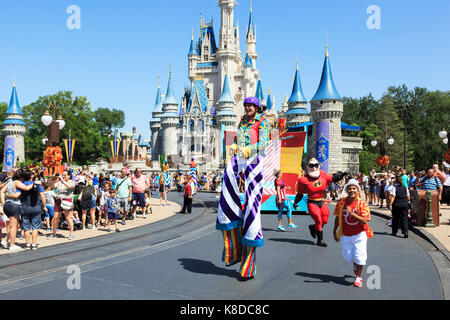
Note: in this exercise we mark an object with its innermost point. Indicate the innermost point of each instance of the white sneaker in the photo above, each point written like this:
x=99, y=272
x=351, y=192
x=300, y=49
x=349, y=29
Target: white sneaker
x=144, y=216
x=134, y=215
x=5, y=244
x=15, y=248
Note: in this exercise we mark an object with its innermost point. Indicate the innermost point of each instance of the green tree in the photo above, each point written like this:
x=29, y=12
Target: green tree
x=106, y=120
x=79, y=119
x=3, y=108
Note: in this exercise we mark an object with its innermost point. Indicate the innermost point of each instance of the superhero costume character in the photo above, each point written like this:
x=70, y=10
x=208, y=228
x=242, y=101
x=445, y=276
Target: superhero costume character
x=314, y=184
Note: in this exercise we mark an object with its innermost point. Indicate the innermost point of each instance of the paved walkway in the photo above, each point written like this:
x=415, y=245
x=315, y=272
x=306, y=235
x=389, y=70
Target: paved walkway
x=440, y=236
x=159, y=213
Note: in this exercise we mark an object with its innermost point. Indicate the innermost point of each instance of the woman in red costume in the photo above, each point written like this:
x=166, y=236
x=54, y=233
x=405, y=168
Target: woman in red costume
x=314, y=184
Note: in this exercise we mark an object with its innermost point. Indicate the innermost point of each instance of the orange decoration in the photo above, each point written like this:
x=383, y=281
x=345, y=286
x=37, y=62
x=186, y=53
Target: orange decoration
x=383, y=161
x=447, y=156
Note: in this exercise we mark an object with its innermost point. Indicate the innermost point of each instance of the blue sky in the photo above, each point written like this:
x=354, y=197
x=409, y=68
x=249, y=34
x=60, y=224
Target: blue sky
x=122, y=46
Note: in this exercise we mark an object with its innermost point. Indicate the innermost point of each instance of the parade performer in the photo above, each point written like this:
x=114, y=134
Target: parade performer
x=241, y=225
x=315, y=184
x=351, y=224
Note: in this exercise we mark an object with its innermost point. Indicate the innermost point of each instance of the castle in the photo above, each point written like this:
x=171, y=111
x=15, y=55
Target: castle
x=221, y=78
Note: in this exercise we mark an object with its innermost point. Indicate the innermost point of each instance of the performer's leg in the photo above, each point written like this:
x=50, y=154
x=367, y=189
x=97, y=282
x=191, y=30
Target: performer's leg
x=315, y=213
x=232, y=251
x=248, y=265
x=395, y=219
x=325, y=214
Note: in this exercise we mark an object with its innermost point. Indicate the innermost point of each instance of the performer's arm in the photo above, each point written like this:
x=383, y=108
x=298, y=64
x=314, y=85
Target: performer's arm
x=336, y=225
x=298, y=198
x=338, y=176
x=364, y=218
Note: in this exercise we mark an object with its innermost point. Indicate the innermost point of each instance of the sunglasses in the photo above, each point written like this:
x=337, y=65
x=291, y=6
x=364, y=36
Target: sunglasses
x=313, y=165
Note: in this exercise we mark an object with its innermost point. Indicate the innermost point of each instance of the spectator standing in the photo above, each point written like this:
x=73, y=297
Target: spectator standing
x=88, y=203
x=188, y=195
x=365, y=185
x=64, y=203
x=162, y=190
x=383, y=183
x=50, y=197
x=32, y=202
x=446, y=187
x=412, y=181
x=400, y=206
x=281, y=202
x=112, y=207
x=431, y=182
x=405, y=179
x=372, y=184
x=13, y=206
x=104, y=194
x=124, y=193
x=140, y=184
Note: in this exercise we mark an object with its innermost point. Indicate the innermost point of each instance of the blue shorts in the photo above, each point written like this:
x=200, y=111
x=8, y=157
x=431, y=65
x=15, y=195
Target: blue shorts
x=50, y=211
x=113, y=216
x=31, y=221
x=89, y=204
x=139, y=200
x=12, y=209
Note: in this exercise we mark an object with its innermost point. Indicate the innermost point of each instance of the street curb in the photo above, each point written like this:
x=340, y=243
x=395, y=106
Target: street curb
x=420, y=231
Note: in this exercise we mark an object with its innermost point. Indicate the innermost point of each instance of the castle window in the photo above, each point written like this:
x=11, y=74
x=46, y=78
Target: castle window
x=321, y=102
x=334, y=101
x=207, y=92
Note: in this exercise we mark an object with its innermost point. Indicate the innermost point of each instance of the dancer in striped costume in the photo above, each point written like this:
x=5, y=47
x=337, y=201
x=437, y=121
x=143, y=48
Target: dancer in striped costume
x=241, y=225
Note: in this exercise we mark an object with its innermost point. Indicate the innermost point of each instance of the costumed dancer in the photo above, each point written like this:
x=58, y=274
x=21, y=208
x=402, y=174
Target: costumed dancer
x=315, y=184
x=241, y=225
x=351, y=224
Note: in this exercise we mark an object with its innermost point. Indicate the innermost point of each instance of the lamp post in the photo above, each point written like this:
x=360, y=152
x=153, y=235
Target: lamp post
x=444, y=136
x=54, y=126
x=389, y=140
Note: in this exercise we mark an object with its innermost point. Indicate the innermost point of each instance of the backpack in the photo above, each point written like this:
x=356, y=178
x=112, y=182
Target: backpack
x=88, y=193
x=31, y=198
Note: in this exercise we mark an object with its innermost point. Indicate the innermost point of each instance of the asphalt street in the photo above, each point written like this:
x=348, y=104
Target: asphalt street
x=180, y=258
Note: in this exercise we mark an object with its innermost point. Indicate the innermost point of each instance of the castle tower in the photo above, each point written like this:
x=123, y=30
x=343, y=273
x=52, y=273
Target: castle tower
x=227, y=30
x=326, y=111
x=259, y=93
x=169, y=121
x=251, y=37
x=155, y=126
x=270, y=103
x=226, y=117
x=13, y=131
x=297, y=104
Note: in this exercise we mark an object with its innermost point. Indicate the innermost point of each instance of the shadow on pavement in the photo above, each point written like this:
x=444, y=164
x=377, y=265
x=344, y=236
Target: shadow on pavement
x=206, y=267
x=294, y=241
x=325, y=278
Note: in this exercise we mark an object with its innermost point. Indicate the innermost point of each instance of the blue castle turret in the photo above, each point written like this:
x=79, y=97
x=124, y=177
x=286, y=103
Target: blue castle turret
x=13, y=131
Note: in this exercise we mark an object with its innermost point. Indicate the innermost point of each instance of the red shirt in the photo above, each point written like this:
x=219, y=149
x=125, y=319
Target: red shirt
x=314, y=188
x=280, y=183
x=351, y=226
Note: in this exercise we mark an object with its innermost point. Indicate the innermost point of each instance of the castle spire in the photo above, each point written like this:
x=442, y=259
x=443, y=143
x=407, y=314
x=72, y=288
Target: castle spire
x=170, y=98
x=259, y=92
x=327, y=90
x=297, y=92
x=192, y=46
x=14, y=107
x=226, y=92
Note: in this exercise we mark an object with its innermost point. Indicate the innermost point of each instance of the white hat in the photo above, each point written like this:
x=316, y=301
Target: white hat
x=352, y=182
